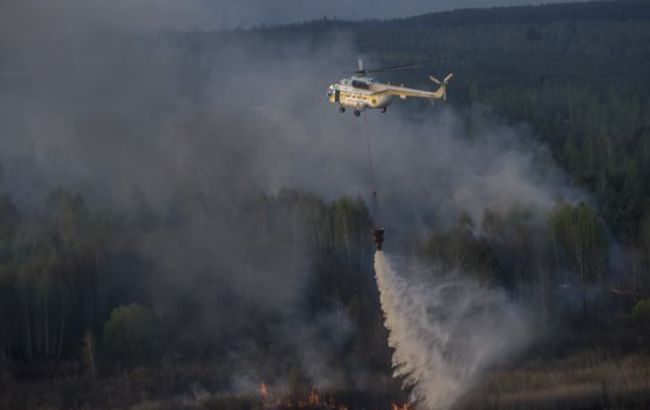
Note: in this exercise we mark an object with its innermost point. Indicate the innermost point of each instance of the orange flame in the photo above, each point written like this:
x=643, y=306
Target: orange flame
x=272, y=400
x=314, y=400
x=264, y=391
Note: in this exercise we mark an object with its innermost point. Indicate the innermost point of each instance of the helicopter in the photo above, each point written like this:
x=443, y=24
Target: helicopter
x=361, y=92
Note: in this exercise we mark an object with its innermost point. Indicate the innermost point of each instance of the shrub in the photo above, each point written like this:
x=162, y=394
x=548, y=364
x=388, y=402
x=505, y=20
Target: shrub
x=132, y=334
x=641, y=311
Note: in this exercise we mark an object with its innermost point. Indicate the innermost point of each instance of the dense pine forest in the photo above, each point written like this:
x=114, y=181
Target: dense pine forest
x=90, y=318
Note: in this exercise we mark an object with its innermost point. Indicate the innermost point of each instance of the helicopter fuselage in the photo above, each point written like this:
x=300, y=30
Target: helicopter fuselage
x=361, y=93
x=358, y=93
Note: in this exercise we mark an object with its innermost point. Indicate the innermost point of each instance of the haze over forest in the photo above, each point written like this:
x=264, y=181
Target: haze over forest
x=184, y=216
x=146, y=15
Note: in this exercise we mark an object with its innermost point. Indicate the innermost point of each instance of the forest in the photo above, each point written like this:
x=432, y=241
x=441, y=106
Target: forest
x=89, y=319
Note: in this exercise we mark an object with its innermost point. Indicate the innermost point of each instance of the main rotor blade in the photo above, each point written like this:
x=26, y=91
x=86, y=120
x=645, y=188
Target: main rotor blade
x=390, y=68
x=395, y=68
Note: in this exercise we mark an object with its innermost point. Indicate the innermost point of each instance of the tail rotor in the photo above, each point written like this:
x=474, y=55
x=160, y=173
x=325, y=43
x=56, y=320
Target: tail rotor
x=442, y=84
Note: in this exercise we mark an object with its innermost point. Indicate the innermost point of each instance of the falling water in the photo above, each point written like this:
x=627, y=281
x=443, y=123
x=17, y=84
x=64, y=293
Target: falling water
x=445, y=332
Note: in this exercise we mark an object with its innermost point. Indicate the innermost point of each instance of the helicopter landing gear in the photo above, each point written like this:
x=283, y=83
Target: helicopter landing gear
x=341, y=109
x=357, y=113
x=382, y=109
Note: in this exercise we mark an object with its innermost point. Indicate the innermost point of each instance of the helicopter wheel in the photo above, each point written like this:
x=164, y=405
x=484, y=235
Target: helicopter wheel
x=382, y=110
x=357, y=113
x=341, y=109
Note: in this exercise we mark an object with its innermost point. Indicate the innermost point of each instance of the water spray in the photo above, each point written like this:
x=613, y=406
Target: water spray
x=445, y=330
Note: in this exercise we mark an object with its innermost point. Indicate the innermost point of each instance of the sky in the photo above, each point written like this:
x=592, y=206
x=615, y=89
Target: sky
x=282, y=11
x=229, y=14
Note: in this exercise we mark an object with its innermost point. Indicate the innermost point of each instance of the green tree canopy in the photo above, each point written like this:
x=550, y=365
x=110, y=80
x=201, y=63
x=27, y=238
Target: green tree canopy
x=131, y=333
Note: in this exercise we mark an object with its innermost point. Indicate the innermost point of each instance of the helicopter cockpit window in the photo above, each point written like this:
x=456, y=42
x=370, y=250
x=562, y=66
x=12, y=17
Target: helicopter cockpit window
x=359, y=84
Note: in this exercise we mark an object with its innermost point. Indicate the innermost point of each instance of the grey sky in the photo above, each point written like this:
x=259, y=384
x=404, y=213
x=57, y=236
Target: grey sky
x=223, y=14
x=249, y=12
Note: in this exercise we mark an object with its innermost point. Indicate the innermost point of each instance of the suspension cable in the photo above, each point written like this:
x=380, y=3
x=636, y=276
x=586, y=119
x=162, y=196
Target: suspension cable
x=375, y=210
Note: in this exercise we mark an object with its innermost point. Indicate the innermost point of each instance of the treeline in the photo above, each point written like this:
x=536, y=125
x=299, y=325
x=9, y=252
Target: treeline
x=76, y=285
x=73, y=283
x=51, y=278
x=619, y=10
x=558, y=266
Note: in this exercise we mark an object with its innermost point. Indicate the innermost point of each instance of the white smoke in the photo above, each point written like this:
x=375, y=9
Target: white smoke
x=445, y=332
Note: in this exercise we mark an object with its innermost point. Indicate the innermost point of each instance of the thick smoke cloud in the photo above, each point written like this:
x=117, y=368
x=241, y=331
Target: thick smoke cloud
x=130, y=119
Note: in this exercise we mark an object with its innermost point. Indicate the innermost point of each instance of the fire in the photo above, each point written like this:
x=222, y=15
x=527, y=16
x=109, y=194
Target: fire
x=314, y=400
x=264, y=391
x=274, y=401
